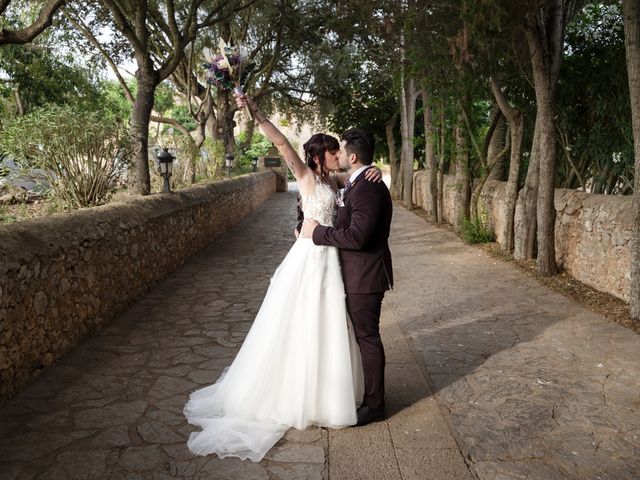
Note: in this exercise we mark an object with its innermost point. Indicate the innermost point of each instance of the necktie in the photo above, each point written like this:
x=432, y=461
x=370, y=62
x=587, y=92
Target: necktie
x=347, y=186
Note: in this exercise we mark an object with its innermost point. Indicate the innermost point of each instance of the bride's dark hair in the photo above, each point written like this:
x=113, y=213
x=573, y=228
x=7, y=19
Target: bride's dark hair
x=315, y=148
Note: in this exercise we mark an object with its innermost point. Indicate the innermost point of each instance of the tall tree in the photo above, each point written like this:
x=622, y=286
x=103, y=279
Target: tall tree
x=545, y=37
x=515, y=119
x=407, y=104
x=462, y=195
x=631, y=10
x=430, y=161
x=482, y=154
x=137, y=22
x=407, y=126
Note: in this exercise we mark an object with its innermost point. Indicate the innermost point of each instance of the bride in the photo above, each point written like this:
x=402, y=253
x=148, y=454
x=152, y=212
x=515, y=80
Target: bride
x=300, y=364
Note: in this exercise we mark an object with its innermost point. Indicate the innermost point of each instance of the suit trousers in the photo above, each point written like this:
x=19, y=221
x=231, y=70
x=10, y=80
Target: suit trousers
x=364, y=311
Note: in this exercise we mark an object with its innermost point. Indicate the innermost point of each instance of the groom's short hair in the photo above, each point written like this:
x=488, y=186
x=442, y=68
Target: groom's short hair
x=361, y=143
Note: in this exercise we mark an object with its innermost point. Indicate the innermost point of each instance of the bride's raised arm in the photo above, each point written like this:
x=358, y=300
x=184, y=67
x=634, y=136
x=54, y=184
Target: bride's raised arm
x=299, y=169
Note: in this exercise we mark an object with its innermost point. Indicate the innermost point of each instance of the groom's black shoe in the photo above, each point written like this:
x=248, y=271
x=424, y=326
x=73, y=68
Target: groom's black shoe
x=368, y=415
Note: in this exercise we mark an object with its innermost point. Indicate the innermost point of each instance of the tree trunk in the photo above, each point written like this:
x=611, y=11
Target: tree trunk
x=140, y=117
x=223, y=129
x=515, y=120
x=203, y=120
x=461, y=205
x=478, y=185
x=394, y=161
x=545, y=38
x=496, y=155
x=212, y=126
x=546, y=190
x=249, y=131
x=407, y=118
x=430, y=162
x=198, y=142
x=487, y=159
x=190, y=155
x=443, y=132
x=631, y=10
x=20, y=110
x=516, y=131
x=39, y=24
x=545, y=66
x=525, y=220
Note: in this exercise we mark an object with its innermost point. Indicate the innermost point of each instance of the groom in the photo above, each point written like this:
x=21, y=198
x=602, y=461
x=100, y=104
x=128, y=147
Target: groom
x=361, y=233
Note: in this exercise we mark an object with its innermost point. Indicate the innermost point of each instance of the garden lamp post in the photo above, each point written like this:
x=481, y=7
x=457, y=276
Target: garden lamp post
x=165, y=161
x=228, y=161
x=254, y=163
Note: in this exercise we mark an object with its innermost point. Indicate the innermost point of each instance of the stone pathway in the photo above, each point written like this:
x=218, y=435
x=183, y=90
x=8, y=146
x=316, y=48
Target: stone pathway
x=489, y=375
x=112, y=408
x=415, y=442
x=534, y=386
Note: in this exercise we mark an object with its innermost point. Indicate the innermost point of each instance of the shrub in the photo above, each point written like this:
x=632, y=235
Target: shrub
x=83, y=155
x=213, y=165
x=475, y=231
x=259, y=147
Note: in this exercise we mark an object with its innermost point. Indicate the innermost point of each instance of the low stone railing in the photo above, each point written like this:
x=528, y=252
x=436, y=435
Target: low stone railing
x=593, y=232
x=65, y=275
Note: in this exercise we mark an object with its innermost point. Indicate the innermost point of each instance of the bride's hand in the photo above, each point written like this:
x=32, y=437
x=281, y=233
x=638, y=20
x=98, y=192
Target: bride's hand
x=241, y=100
x=373, y=175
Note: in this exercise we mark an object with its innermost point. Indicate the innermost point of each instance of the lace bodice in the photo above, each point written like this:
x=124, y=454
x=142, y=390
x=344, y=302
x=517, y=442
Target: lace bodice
x=321, y=205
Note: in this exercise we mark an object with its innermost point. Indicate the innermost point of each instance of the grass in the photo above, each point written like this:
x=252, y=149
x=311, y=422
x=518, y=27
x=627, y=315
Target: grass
x=475, y=231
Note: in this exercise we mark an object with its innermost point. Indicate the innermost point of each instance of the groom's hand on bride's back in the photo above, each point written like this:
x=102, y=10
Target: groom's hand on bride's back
x=308, y=226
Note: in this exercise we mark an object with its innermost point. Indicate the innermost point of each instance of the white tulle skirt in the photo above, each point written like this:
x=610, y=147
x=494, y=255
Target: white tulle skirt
x=298, y=366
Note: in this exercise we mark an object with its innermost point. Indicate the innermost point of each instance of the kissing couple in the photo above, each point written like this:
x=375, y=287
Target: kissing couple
x=313, y=355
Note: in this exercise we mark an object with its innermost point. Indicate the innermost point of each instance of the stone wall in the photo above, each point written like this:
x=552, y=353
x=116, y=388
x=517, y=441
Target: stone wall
x=63, y=276
x=421, y=192
x=593, y=232
x=593, y=239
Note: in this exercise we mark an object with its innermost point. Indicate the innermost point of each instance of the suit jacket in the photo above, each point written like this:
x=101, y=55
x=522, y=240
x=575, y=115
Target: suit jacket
x=361, y=232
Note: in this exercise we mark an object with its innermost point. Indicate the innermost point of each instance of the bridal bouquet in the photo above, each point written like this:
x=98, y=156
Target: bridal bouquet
x=227, y=68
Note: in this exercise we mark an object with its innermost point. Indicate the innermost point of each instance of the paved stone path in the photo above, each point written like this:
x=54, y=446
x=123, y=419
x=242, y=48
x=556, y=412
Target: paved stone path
x=527, y=385
x=112, y=408
x=533, y=385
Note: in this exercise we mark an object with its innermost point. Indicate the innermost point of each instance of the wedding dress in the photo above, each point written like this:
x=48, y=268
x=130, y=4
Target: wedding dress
x=299, y=364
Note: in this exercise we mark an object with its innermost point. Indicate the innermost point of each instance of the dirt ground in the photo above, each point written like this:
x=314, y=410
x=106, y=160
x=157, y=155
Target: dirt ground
x=605, y=304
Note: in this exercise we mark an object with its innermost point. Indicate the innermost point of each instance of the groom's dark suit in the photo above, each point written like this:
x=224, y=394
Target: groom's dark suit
x=361, y=233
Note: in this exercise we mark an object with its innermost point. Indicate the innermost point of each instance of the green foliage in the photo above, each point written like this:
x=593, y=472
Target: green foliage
x=343, y=59
x=182, y=115
x=113, y=102
x=259, y=148
x=356, y=83
x=593, y=103
x=213, y=166
x=83, y=155
x=42, y=77
x=6, y=216
x=163, y=99
x=475, y=231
